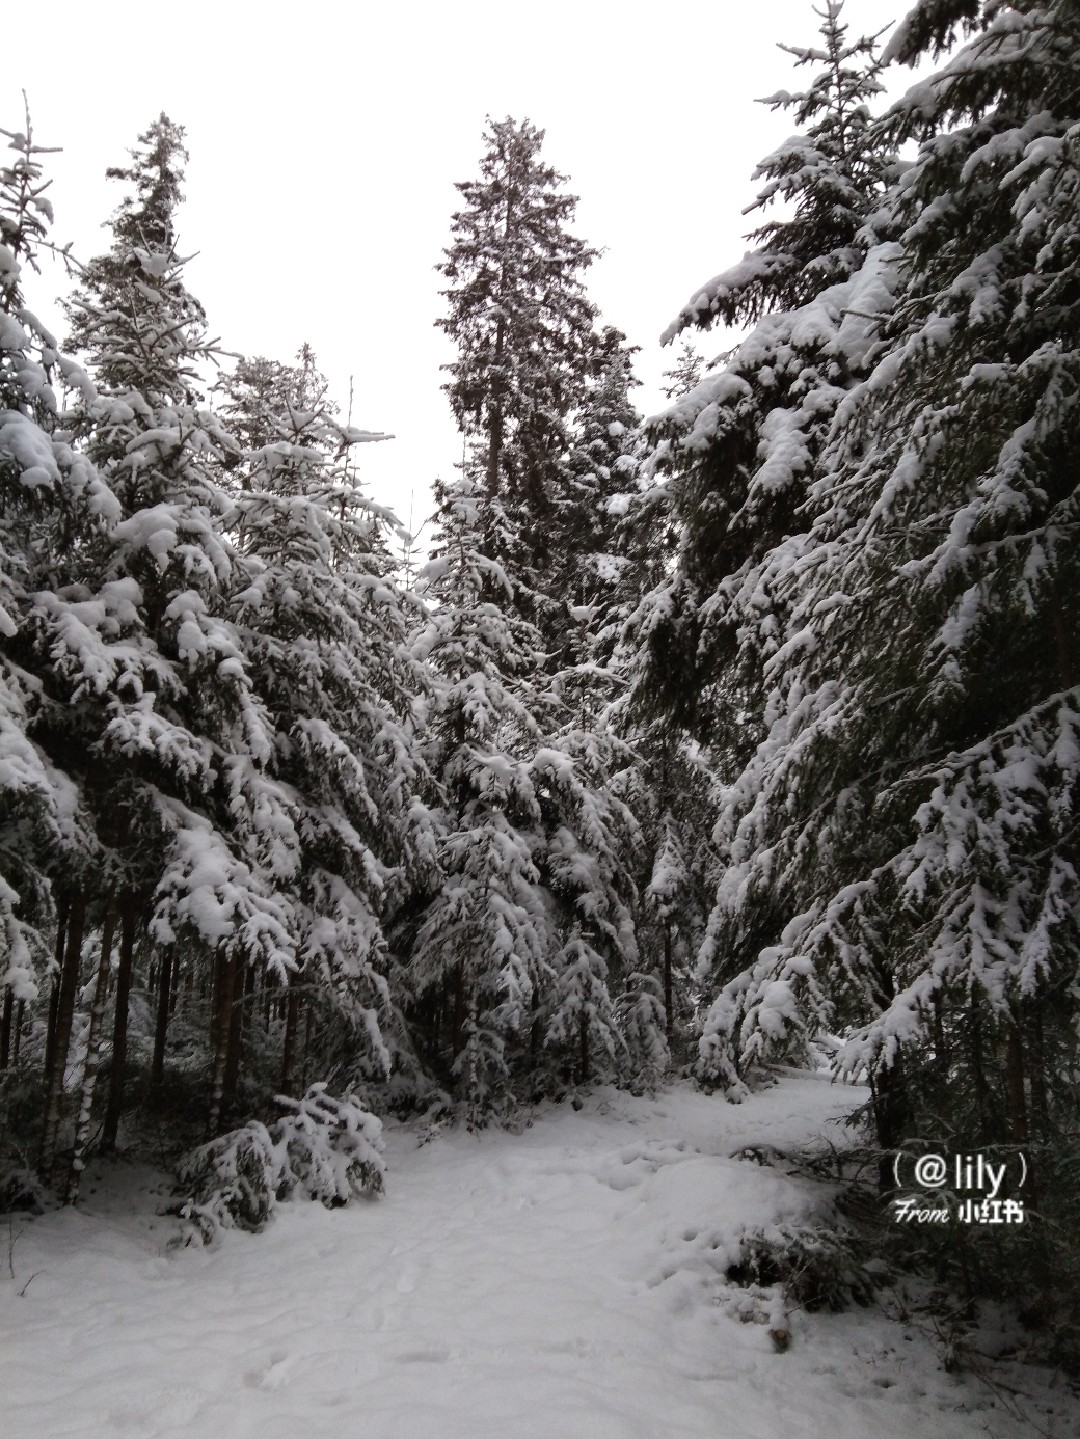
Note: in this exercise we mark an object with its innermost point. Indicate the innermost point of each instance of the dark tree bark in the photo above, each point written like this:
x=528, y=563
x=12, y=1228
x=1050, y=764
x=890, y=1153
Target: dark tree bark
x=235, y=1037
x=19, y=1016
x=223, y=982
x=292, y=1024
x=65, y=1013
x=118, y=1069
x=63, y=908
x=1015, y=1102
x=668, y=1019
x=92, y=1063
x=5, y=1027
x=161, y=1029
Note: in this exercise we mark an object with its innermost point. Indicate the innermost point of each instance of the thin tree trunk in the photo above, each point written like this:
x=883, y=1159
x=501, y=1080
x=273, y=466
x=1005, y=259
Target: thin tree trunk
x=288, y=1053
x=1015, y=1103
x=668, y=1018
x=889, y=1109
x=1040, y=1107
x=235, y=1033
x=92, y=1063
x=161, y=1029
x=247, y=1015
x=65, y=1013
x=63, y=909
x=5, y=1026
x=978, y=1071
x=535, y=1034
x=495, y=433
x=307, y=1046
x=472, y=1075
x=223, y=969
x=584, y=1047
x=457, y=1019
x=174, y=985
x=19, y=1013
x=118, y=1069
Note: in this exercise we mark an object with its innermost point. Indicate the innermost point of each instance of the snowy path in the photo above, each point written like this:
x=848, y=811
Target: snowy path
x=560, y=1284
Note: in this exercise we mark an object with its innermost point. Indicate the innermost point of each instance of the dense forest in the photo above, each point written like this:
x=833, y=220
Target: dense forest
x=744, y=735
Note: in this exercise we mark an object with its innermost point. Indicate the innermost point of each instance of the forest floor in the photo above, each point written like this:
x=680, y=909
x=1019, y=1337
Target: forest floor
x=567, y=1282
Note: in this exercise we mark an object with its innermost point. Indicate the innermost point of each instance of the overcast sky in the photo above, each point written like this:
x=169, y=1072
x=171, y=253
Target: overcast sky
x=325, y=140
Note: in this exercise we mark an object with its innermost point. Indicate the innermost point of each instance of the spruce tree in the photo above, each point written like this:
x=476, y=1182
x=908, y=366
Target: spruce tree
x=522, y=325
x=900, y=851
x=685, y=373
x=181, y=748
x=519, y=948
x=829, y=176
x=730, y=460
x=482, y=942
x=322, y=625
x=54, y=503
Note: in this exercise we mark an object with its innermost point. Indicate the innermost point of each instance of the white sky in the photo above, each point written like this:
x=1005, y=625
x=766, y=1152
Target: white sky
x=325, y=140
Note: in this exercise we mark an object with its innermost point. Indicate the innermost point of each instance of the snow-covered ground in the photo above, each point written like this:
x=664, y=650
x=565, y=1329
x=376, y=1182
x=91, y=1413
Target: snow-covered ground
x=563, y=1283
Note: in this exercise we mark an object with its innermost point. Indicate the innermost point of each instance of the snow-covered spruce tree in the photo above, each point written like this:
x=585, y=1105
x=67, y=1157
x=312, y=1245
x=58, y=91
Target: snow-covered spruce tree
x=181, y=749
x=482, y=942
x=828, y=176
x=53, y=504
x=322, y=624
x=600, y=471
x=906, y=832
x=730, y=459
x=522, y=325
x=686, y=372
x=516, y=951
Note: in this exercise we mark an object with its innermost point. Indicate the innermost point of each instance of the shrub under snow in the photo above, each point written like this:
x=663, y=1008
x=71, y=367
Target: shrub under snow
x=323, y=1147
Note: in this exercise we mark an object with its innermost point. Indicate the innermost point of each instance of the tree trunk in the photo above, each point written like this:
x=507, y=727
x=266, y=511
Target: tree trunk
x=235, y=1030
x=472, y=1074
x=63, y=909
x=307, y=1046
x=288, y=1053
x=117, y=1071
x=5, y=1027
x=978, y=1072
x=584, y=1047
x=65, y=1013
x=890, y=1116
x=19, y=1013
x=1040, y=1106
x=174, y=985
x=1015, y=1103
x=495, y=431
x=161, y=1030
x=223, y=979
x=457, y=1020
x=92, y=1063
x=668, y=1018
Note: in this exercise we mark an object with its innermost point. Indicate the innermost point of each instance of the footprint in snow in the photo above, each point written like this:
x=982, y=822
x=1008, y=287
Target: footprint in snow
x=436, y=1354
x=274, y=1375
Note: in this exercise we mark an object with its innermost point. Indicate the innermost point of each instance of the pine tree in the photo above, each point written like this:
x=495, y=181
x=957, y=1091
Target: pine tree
x=600, y=473
x=522, y=325
x=685, y=373
x=53, y=502
x=519, y=947
x=180, y=742
x=901, y=853
x=482, y=942
x=730, y=460
x=323, y=627
x=830, y=176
